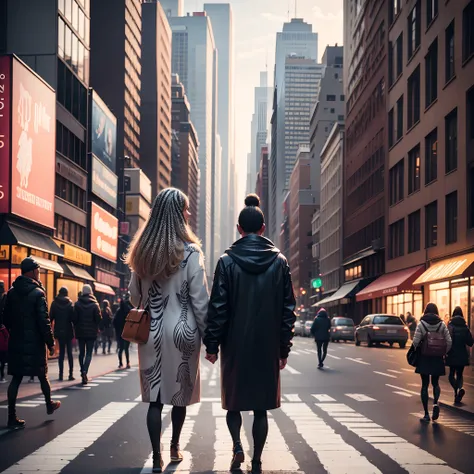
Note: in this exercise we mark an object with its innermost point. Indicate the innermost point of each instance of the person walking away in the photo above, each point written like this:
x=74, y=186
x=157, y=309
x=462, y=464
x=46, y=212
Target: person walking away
x=87, y=319
x=169, y=279
x=252, y=295
x=321, y=332
x=26, y=318
x=119, y=324
x=411, y=323
x=433, y=339
x=458, y=356
x=107, y=327
x=62, y=315
x=4, y=335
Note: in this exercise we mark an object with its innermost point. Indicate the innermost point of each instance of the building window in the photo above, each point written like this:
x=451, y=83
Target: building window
x=399, y=55
x=451, y=133
x=391, y=125
x=449, y=47
x=431, y=157
x=395, y=7
x=468, y=31
x=331, y=98
x=397, y=175
x=397, y=239
x=413, y=106
x=414, y=164
x=399, y=131
x=414, y=231
x=414, y=29
x=431, y=11
x=452, y=218
x=395, y=123
x=431, y=72
x=431, y=224
x=343, y=98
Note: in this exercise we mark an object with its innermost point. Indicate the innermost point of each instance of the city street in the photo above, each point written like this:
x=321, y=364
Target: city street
x=359, y=415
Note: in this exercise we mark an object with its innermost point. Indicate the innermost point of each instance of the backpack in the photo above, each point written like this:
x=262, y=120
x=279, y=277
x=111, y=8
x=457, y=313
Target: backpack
x=434, y=343
x=4, y=336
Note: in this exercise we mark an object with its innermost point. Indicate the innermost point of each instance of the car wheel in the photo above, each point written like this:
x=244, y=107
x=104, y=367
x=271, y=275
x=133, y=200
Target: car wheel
x=357, y=342
x=403, y=345
x=369, y=342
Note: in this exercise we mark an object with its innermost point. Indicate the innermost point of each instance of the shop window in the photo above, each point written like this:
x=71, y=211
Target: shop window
x=414, y=231
x=397, y=239
x=431, y=224
x=413, y=105
x=449, y=52
x=460, y=297
x=439, y=294
x=397, y=175
x=414, y=29
x=414, y=170
x=431, y=11
x=451, y=220
x=431, y=74
x=431, y=157
x=468, y=31
x=451, y=139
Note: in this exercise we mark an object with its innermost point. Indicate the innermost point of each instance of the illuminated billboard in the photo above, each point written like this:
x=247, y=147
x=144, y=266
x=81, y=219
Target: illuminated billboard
x=104, y=233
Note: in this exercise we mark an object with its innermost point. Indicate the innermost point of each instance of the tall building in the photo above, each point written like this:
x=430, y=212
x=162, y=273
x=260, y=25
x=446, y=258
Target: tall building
x=262, y=182
x=193, y=59
x=170, y=7
x=430, y=167
x=185, y=170
x=221, y=17
x=365, y=29
x=155, y=142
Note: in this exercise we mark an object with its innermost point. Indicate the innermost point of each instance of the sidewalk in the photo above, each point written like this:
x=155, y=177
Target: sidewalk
x=447, y=394
x=101, y=364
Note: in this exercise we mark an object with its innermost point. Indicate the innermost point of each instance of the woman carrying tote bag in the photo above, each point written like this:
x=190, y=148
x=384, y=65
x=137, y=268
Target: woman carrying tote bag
x=168, y=276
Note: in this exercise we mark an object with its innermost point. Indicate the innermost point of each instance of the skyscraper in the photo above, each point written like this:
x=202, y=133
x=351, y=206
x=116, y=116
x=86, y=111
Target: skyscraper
x=193, y=59
x=222, y=26
x=170, y=7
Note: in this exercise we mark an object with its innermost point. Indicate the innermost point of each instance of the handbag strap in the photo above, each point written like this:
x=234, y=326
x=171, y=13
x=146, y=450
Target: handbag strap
x=141, y=294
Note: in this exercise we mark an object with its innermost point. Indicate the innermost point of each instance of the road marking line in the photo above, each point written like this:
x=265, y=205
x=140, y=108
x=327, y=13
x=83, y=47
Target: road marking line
x=22, y=405
x=296, y=353
x=385, y=375
x=139, y=398
x=358, y=361
x=457, y=425
x=408, y=370
x=404, y=394
x=211, y=400
x=85, y=387
x=394, y=371
x=292, y=371
x=332, y=451
x=321, y=397
x=293, y=397
x=212, y=383
x=334, y=357
x=403, y=389
x=360, y=397
x=58, y=453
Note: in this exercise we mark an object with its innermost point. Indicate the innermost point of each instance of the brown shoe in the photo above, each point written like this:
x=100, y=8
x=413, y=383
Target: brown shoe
x=175, y=453
x=52, y=407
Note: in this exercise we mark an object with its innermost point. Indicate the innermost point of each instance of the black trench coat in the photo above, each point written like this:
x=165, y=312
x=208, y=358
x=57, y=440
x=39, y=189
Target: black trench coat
x=251, y=318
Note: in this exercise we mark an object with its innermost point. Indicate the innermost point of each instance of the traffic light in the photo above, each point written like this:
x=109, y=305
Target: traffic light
x=317, y=283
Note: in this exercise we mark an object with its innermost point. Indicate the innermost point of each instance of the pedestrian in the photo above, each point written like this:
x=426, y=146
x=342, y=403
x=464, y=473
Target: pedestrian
x=168, y=277
x=458, y=356
x=252, y=295
x=119, y=324
x=402, y=317
x=107, y=327
x=4, y=335
x=411, y=323
x=433, y=340
x=87, y=319
x=26, y=318
x=62, y=315
x=321, y=332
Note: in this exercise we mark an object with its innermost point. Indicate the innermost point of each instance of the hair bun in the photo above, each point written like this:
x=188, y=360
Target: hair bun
x=252, y=200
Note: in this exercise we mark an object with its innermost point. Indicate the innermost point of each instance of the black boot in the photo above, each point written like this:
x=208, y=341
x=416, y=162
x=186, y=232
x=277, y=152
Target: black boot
x=158, y=463
x=15, y=423
x=238, y=457
x=256, y=467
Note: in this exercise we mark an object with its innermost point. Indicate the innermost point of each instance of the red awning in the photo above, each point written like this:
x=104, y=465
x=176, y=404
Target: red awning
x=101, y=288
x=391, y=284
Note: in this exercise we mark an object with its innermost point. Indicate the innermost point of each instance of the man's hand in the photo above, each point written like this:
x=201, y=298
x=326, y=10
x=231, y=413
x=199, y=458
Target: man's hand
x=283, y=363
x=212, y=358
x=51, y=351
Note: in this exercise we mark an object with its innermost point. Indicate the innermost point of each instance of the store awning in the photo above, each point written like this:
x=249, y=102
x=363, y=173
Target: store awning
x=456, y=267
x=106, y=289
x=359, y=256
x=77, y=272
x=49, y=264
x=12, y=234
x=391, y=283
x=345, y=291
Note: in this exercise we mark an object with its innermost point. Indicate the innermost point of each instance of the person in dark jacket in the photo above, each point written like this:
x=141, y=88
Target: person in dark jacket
x=62, y=315
x=252, y=295
x=321, y=332
x=119, y=324
x=3, y=334
x=26, y=317
x=107, y=328
x=87, y=319
x=458, y=356
x=429, y=366
x=411, y=323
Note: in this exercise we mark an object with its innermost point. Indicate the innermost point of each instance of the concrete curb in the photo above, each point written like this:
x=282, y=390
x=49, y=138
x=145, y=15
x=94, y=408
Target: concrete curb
x=457, y=409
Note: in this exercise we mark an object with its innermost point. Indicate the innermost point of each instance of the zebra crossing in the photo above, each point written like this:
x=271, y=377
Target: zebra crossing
x=316, y=423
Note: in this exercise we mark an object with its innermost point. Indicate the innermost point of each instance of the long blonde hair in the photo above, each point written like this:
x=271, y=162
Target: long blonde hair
x=157, y=249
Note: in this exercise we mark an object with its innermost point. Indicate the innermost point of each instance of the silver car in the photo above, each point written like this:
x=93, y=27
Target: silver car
x=377, y=328
x=342, y=329
x=298, y=328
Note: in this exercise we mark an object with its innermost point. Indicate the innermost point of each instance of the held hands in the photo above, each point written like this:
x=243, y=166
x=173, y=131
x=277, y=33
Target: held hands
x=283, y=363
x=212, y=358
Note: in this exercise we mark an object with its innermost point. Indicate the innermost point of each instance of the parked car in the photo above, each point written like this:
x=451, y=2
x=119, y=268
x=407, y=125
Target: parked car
x=342, y=329
x=307, y=328
x=377, y=328
x=299, y=328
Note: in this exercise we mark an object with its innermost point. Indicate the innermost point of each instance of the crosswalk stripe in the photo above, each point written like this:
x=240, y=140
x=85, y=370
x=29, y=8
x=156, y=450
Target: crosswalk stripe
x=360, y=397
x=292, y=371
x=333, y=452
x=293, y=397
x=394, y=371
x=58, y=453
x=404, y=394
x=359, y=361
x=277, y=456
x=385, y=375
x=321, y=397
x=410, y=457
x=296, y=353
x=465, y=427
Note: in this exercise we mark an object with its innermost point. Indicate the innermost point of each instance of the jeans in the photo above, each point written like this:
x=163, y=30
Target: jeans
x=106, y=342
x=123, y=346
x=322, y=350
x=63, y=346
x=86, y=346
x=15, y=385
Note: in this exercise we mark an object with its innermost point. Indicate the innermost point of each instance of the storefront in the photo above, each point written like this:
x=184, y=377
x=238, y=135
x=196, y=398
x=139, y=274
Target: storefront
x=397, y=292
x=450, y=283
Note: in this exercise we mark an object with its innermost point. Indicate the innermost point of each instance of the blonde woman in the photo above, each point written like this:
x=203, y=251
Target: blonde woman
x=168, y=276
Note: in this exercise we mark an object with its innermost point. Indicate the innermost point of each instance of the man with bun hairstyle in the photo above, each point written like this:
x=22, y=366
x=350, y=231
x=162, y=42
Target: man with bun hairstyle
x=252, y=295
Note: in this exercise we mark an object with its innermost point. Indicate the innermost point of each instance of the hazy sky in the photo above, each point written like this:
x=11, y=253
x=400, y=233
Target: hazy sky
x=256, y=23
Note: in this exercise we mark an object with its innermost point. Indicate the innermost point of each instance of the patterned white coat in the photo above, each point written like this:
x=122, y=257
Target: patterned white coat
x=170, y=360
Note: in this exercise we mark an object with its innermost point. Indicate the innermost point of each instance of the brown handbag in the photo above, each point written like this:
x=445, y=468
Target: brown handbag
x=137, y=324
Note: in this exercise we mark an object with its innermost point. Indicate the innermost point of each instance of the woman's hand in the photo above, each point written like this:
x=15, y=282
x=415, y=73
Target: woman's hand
x=212, y=358
x=283, y=363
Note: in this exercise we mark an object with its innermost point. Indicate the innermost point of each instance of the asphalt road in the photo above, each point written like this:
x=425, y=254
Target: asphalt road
x=360, y=415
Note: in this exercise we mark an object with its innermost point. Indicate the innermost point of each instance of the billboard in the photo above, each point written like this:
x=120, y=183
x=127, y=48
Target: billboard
x=104, y=182
x=33, y=147
x=104, y=233
x=5, y=80
x=104, y=133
